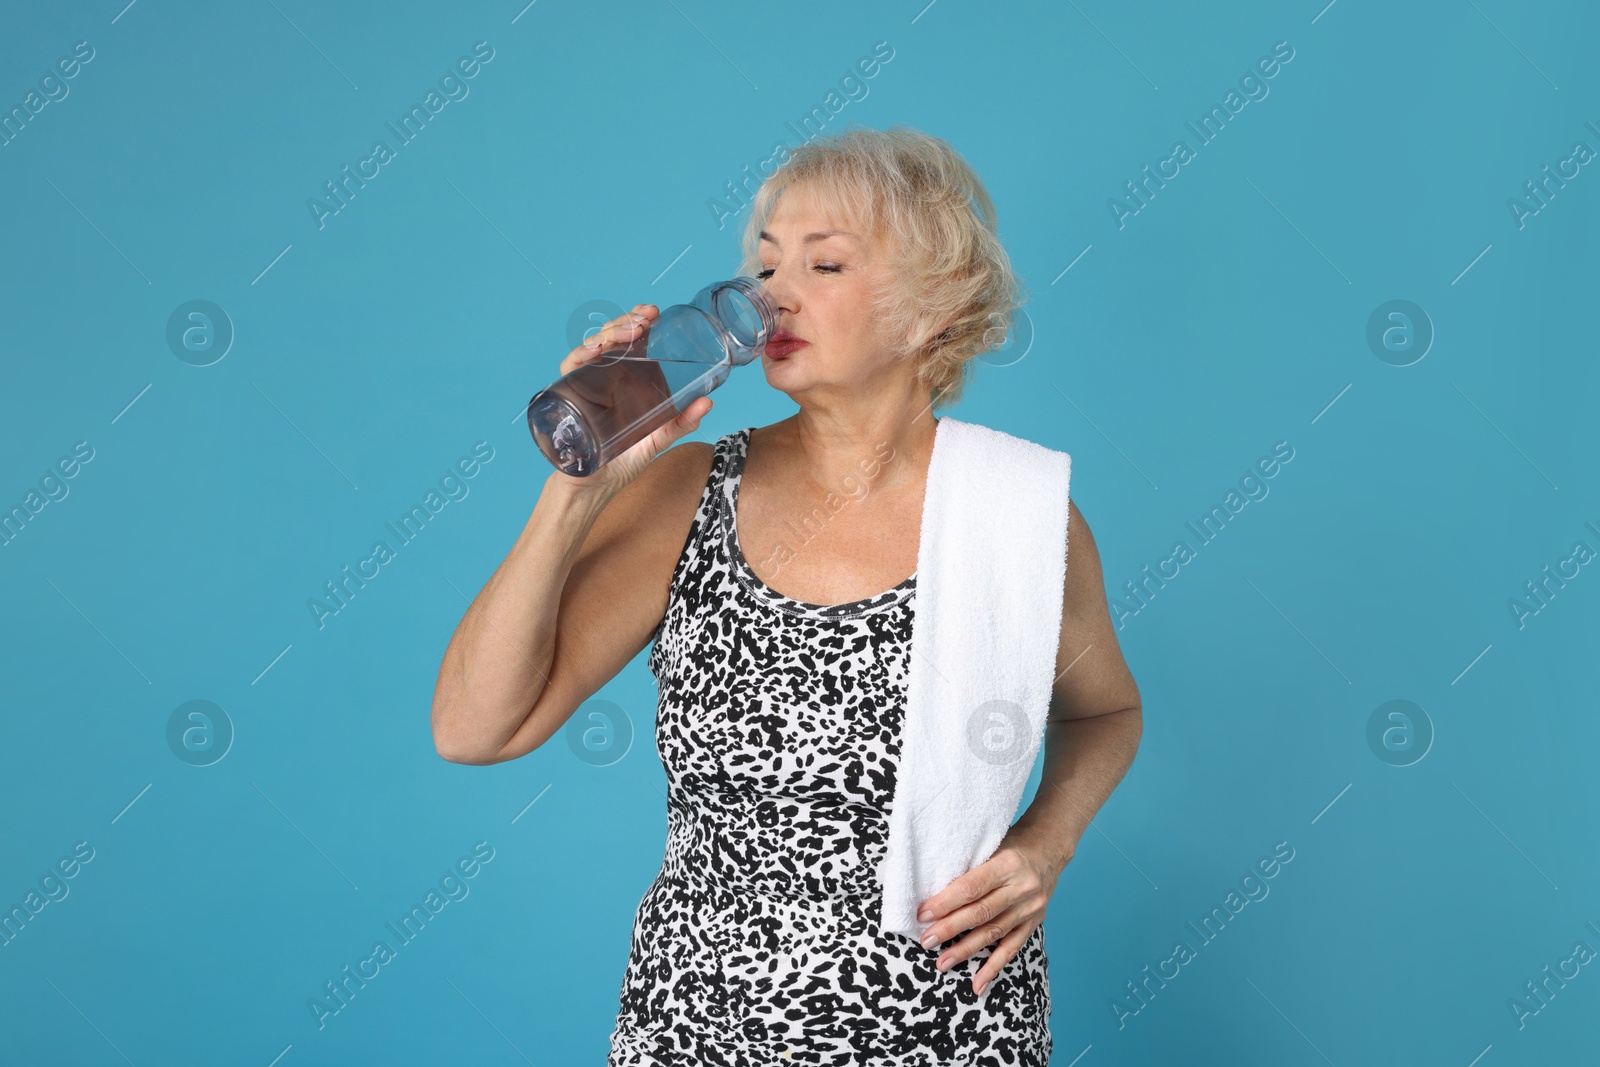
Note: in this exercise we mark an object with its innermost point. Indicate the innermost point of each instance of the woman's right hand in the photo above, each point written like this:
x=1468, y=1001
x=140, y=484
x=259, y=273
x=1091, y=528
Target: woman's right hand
x=621, y=332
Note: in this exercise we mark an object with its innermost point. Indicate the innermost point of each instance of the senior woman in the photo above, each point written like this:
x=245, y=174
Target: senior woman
x=774, y=572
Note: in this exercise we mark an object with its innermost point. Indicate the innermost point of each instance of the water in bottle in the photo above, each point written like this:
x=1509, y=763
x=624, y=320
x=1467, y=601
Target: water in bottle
x=602, y=408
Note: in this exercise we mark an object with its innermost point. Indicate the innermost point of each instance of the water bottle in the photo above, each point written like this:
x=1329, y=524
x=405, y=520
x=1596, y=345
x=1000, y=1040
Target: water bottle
x=600, y=409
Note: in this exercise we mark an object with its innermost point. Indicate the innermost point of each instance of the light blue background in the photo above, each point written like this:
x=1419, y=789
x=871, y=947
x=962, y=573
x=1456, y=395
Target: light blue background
x=1230, y=313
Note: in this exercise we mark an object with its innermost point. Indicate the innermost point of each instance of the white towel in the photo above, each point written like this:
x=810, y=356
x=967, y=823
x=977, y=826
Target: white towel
x=991, y=569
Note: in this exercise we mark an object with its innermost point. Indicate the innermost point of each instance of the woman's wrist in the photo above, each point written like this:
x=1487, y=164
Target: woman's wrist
x=1052, y=847
x=567, y=496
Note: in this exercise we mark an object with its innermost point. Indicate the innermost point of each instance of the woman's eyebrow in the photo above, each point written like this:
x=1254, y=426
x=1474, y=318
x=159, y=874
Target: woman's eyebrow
x=819, y=235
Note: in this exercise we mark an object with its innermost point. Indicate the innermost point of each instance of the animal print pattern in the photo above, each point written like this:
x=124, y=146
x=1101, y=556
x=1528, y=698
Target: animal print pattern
x=760, y=942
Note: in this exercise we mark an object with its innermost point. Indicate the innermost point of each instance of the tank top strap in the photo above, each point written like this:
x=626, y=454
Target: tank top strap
x=704, y=549
x=732, y=448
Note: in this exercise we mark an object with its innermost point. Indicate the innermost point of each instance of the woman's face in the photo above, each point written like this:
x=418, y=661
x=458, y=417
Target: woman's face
x=823, y=286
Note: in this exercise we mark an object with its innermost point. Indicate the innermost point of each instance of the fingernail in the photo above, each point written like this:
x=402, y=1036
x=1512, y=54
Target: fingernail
x=929, y=939
x=925, y=914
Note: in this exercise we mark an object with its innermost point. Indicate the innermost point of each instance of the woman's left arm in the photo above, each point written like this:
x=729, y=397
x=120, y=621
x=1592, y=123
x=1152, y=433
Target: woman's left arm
x=1091, y=733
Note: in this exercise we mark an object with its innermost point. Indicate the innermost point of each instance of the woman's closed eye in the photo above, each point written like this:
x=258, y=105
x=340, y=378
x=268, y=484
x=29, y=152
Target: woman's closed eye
x=829, y=268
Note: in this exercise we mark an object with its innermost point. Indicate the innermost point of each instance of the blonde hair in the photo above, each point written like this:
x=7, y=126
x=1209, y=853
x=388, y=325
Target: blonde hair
x=951, y=293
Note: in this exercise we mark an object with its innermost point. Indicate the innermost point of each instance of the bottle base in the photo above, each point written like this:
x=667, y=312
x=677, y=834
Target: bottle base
x=562, y=435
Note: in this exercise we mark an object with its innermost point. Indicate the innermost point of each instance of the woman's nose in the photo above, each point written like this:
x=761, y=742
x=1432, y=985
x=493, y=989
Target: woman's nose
x=782, y=293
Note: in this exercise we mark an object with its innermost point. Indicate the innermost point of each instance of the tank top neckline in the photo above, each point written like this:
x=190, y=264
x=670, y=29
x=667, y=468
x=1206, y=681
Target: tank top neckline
x=733, y=472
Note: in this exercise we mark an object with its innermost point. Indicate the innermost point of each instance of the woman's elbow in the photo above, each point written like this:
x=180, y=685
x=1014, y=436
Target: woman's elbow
x=452, y=754
x=449, y=743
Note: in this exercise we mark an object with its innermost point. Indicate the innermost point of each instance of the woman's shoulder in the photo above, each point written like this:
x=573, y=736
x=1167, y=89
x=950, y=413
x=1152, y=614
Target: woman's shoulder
x=686, y=464
x=678, y=481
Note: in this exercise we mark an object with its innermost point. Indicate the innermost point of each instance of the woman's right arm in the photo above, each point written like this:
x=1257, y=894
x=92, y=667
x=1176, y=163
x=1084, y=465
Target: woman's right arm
x=574, y=601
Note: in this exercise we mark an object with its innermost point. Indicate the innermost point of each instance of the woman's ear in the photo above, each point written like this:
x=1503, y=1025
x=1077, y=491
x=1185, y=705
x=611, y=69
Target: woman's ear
x=926, y=328
x=923, y=326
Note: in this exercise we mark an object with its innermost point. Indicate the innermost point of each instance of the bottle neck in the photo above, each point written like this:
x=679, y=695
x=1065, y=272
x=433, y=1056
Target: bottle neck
x=766, y=310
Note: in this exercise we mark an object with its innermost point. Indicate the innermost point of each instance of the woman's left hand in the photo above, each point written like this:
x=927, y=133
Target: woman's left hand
x=1001, y=900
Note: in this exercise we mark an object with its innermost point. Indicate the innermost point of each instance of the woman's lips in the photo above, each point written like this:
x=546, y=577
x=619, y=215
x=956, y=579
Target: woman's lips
x=782, y=349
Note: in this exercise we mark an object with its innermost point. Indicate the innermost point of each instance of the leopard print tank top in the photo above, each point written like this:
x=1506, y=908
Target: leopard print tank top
x=759, y=941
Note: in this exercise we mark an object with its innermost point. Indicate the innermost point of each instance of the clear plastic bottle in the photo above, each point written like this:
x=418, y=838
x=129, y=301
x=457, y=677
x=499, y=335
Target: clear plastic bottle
x=589, y=416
